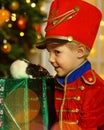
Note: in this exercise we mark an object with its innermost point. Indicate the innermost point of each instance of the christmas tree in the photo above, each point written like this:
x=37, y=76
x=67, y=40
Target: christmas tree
x=20, y=29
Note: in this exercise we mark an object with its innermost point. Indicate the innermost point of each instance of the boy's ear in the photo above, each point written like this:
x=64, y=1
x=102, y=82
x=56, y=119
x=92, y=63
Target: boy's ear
x=81, y=51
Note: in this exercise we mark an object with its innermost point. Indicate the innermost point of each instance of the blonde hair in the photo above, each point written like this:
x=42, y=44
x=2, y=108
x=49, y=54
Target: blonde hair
x=74, y=45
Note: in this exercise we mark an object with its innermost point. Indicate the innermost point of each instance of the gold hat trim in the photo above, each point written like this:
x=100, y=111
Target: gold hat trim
x=68, y=38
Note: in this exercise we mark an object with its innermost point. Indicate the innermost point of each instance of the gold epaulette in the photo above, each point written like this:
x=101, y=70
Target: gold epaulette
x=89, y=77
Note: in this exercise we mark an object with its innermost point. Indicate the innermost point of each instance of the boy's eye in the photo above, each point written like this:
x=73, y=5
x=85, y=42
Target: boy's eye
x=57, y=52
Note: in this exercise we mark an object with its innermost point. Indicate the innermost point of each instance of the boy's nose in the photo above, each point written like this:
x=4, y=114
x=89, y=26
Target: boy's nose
x=51, y=59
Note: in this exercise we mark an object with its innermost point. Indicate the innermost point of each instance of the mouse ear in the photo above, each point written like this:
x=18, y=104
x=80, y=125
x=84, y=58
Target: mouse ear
x=26, y=61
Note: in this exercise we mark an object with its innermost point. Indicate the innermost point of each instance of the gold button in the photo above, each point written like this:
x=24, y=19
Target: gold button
x=81, y=87
x=78, y=98
x=77, y=110
x=90, y=79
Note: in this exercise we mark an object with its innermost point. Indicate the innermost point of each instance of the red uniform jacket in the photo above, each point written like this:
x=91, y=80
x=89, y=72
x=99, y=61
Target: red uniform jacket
x=81, y=102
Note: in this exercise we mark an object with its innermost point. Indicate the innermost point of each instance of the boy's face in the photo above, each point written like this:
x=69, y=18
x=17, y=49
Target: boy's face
x=62, y=58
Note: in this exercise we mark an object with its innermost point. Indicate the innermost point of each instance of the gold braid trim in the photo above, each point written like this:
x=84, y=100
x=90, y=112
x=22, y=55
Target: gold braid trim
x=63, y=101
x=71, y=122
x=90, y=81
x=63, y=17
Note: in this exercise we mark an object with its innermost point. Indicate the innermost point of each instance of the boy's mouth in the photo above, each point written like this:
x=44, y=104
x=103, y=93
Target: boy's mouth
x=56, y=68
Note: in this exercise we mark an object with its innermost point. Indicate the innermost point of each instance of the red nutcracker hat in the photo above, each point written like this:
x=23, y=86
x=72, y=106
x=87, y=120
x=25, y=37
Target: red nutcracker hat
x=71, y=20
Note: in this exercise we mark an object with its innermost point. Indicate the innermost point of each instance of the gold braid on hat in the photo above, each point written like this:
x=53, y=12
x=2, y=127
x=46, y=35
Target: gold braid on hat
x=63, y=17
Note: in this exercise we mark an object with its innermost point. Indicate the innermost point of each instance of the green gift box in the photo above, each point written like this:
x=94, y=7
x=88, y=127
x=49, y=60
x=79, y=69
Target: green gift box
x=27, y=104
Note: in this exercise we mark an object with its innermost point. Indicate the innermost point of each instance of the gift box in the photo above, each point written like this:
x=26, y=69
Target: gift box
x=27, y=104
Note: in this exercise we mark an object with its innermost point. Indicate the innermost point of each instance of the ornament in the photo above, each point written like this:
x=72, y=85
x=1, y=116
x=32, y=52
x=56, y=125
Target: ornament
x=28, y=1
x=6, y=47
x=37, y=27
x=33, y=5
x=21, y=34
x=4, y=16
x=10, y=25
x=21, y=22
x=13, y=17
x=39, y=37
x=42, y=7
x=14, y=5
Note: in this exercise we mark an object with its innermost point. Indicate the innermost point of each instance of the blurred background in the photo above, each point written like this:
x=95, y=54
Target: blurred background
x=97, y=55
x=22, y=26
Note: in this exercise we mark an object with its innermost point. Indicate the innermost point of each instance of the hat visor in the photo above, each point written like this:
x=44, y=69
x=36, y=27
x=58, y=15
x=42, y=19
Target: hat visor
x=43, y=44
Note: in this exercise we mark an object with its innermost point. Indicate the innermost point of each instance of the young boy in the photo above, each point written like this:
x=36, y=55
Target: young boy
x=79, y=93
